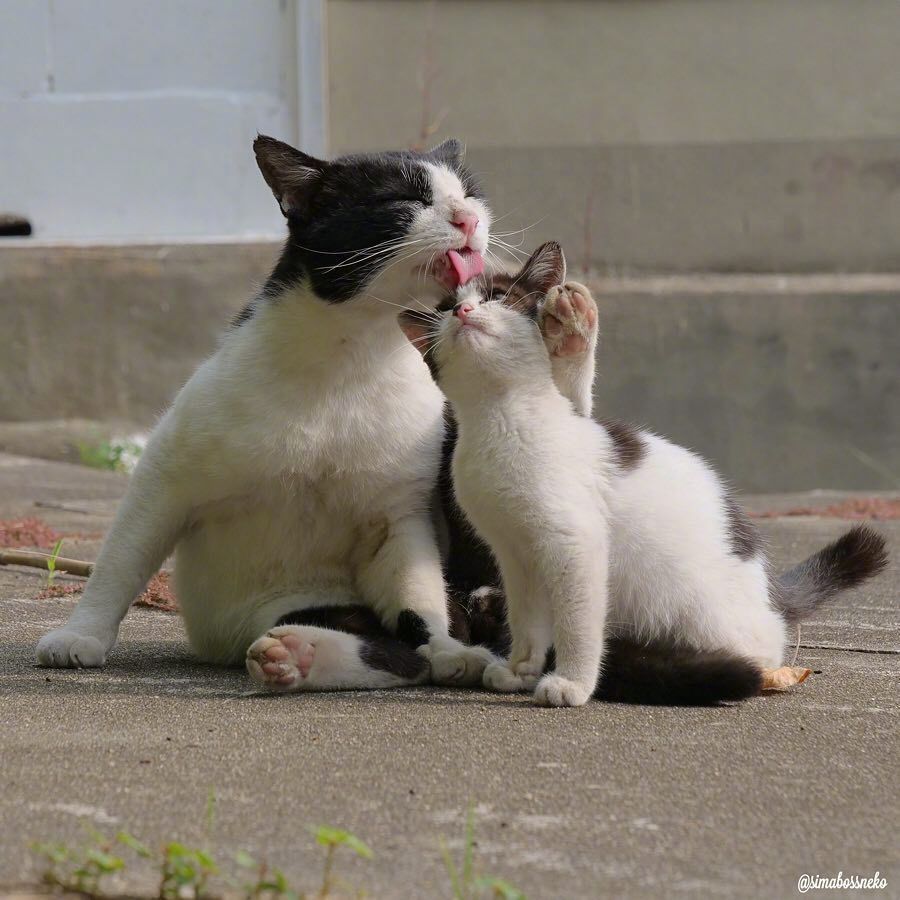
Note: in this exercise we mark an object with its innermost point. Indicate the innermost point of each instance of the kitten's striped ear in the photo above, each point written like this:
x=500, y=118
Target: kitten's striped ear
x=546, y=268
x=292, y=175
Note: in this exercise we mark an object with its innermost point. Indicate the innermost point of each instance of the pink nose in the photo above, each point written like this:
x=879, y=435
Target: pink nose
x=462, y=311
x=466, y=222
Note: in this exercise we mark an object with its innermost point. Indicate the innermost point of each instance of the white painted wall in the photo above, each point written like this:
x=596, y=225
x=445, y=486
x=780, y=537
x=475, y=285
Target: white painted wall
x=133, y=120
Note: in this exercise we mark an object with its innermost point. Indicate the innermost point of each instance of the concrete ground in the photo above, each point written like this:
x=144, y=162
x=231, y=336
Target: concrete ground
x=603, y=801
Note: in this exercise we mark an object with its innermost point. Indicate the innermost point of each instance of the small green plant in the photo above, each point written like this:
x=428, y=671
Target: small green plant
x=271, y=884
x=466, y=883
x=79, y=869
x=331, y=839
x=116, y=454
x=185, y=872
x=51, y=562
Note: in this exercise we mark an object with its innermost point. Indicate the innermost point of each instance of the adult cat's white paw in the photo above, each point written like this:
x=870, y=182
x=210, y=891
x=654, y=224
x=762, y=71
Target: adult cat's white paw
x=554, y=690
x=67, y=649
x=530, y=671
x=499, y=677
x=568, y=319
x=460, y=665
x=281, y=659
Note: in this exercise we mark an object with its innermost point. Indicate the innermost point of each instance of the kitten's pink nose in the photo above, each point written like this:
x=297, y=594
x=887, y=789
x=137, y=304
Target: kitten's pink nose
x=462, y=311
x=466, y=222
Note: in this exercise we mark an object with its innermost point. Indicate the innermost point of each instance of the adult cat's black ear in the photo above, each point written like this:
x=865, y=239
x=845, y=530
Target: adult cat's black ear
x=450, y=152
x=293, y=176
x=546, y=268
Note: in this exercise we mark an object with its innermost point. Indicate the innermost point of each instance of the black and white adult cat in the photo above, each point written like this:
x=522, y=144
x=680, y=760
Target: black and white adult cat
x=293, y=472
x=592, y=521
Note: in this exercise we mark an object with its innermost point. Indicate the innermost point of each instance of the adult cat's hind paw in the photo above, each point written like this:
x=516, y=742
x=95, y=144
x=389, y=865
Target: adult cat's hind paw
x=554, y=690
x=568, y=319
x=456, y=664
x=501, y=678
x=281, y=659
x=67, y=649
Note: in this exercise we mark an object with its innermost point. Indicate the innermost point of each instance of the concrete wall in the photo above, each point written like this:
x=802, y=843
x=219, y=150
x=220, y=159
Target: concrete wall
x=111, y=333
x=652, y=135
x=648, y=135
x=123, y=119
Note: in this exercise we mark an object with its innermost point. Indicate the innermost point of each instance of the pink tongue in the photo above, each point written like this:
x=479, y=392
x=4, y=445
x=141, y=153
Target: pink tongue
x=466, y=265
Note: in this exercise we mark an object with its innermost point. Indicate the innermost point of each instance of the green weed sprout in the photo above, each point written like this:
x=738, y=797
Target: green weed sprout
x=270, y=884
x=51, y=562
x=467, y=884
x=331, y=839
x=79, y=869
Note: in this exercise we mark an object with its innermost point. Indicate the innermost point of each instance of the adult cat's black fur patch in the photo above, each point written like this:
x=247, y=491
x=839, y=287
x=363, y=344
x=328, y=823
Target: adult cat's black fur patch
x=338, y=210
x=671, y=675
x=411, y=629
x=378, y=648
x=392, y=655
x=352, y=618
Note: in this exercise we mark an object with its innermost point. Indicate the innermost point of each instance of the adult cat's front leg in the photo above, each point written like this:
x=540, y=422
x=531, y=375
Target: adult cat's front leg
x=404, y=583
x=142, y=535
x=568, y=320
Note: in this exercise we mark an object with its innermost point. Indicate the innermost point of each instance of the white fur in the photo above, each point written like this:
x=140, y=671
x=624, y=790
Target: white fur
x=294, y=469
x=584, y=547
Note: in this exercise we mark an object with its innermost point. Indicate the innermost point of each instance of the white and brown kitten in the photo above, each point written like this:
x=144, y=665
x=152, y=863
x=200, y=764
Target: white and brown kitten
x=599, y=529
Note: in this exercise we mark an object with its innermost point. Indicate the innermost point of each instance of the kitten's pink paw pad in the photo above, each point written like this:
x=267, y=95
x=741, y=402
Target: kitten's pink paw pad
x=280, y=660
x=568, y=319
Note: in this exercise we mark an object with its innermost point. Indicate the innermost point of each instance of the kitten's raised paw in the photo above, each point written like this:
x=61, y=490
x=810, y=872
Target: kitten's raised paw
x=568, y=319
x=499, y=677
x=281, y=659
x=554, y=690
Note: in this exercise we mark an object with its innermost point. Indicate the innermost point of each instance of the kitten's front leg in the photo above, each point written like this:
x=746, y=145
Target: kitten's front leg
x=142, y=535
x=404, y=583
x=578, y=597
x=530, y=630
x=568, y=320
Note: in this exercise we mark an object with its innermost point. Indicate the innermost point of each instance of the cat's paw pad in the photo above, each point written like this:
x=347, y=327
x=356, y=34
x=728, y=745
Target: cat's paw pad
x=554, y=690
x=281, y=659
x=66, y=649
x=568, y=319
x=499, y=677
x=459, y=665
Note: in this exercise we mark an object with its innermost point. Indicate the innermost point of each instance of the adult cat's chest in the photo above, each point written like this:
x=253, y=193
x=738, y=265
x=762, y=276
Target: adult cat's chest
x=387, y=425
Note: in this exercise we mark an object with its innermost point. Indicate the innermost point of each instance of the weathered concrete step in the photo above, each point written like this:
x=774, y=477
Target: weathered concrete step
x=785, y=382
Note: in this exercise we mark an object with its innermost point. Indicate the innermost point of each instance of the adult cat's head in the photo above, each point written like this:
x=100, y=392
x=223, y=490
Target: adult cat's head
x=376, y=224
x=487, y=331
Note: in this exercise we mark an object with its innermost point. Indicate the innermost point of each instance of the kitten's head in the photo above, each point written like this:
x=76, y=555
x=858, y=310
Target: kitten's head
x=361, y=226
x=487, y=332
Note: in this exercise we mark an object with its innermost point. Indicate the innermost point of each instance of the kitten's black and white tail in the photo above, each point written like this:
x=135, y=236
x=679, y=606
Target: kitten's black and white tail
x=853, y=558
